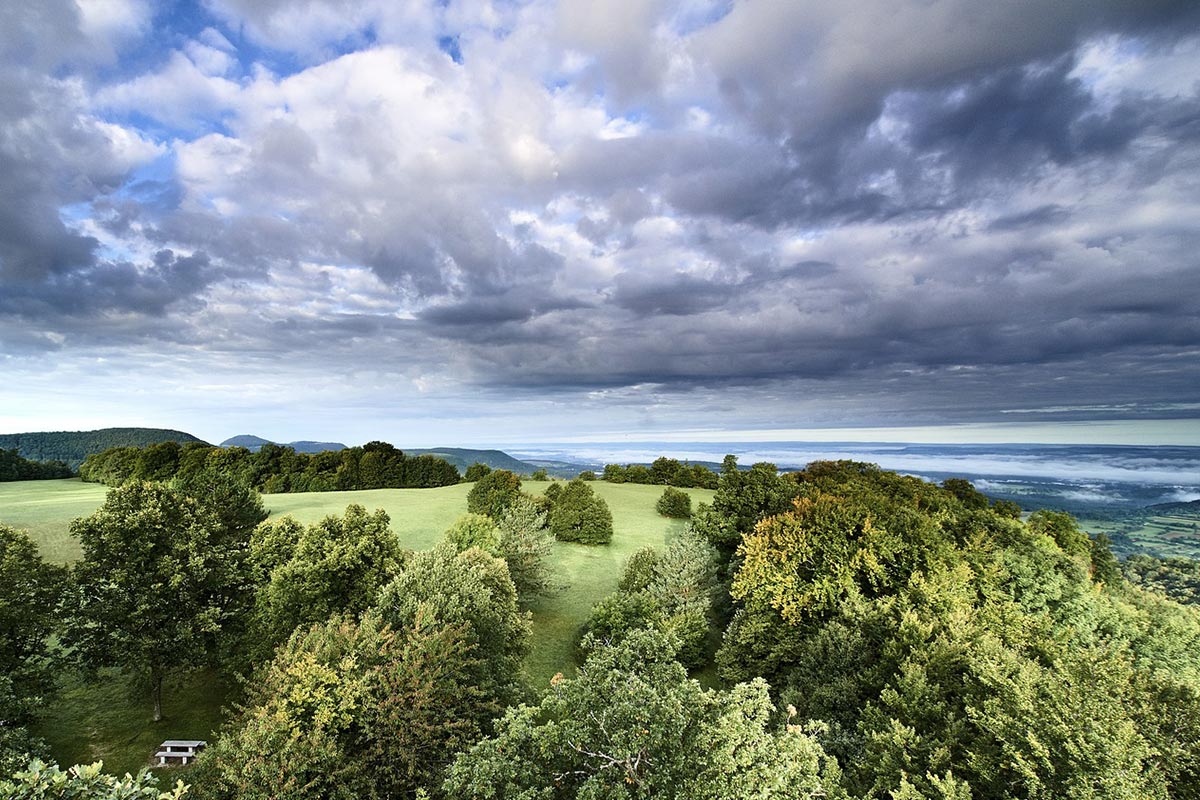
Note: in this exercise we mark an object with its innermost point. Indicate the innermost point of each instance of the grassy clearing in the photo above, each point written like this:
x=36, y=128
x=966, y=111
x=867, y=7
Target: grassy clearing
x=105, y=720
x=45, y=509
x=585, y=573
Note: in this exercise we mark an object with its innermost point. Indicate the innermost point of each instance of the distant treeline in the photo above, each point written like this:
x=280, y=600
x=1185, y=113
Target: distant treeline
x=274, y=468
x=72, y=447
x=15, y=468
x=665, y=472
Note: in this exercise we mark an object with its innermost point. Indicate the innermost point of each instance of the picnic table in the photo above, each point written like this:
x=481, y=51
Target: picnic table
x=183, y=749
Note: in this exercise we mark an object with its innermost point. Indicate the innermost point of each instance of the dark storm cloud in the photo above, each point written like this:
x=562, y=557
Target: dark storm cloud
x=118, y=287
x=930, y=205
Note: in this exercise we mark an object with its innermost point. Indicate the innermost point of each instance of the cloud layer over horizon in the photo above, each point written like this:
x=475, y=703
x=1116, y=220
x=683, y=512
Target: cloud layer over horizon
x=566, y=216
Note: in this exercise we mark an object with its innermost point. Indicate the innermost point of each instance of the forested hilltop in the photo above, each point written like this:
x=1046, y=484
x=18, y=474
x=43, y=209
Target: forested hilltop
x=873, y=636
x=72, y=447
x=272, y=468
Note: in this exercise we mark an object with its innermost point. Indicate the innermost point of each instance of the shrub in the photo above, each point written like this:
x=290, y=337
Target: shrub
x=580, y=516
x=474, y=530
x=494, y=493
x=674, y=503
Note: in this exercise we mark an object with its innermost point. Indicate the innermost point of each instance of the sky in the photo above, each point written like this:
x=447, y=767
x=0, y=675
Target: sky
x=455, y=223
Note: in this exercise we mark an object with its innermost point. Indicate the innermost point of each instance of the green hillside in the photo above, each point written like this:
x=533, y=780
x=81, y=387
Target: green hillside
x=462, y=458
x=73, y=447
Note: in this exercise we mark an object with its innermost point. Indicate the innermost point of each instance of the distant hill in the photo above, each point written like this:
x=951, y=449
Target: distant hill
x=72, y=447
x=462, y=458
x=1192, y=506
x=254, y=443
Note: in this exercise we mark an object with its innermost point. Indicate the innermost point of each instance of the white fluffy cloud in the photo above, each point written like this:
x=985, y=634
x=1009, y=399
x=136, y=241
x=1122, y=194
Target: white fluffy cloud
x=559, y=198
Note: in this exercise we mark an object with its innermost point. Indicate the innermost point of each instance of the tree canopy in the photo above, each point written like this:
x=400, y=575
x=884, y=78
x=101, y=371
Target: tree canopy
x=632, y=725
x=579, y=515
x=153, y=589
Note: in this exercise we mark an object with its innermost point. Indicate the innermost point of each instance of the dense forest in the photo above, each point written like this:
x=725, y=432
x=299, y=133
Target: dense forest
x=871, y=636
x=72, y=447
x=15, y=468
x=272, y=469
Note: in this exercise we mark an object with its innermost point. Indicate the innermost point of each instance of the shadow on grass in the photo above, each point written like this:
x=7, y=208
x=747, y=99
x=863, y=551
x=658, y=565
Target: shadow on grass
x=102, y=719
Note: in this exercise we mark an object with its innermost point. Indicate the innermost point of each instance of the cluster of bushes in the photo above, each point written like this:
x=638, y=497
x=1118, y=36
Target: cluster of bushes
x=15, y=468
x=273, y=469
x=664, y=472
x=574, y=512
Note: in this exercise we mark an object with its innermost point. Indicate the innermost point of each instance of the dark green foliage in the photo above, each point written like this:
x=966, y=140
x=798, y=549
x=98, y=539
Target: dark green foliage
x=586, y=475
x=337, y=566
x=476, y=471
x=578, y=515
x=1061, y=527
x=639, y=570
x=474, y=592
x=494, y=493
x=632, y=725
x=619, y=614
x=72, y=447
x=349, y=710
x=29, y=592
x=674, y=503
x=743, y=498
x=957, y=652
x=539, y=475
x=160, y=578
x=665, y=472
x=673, y=592
x=41, y=781
x=1177, y=578
x=273, y=468
x=525, y=545
x=15, y=468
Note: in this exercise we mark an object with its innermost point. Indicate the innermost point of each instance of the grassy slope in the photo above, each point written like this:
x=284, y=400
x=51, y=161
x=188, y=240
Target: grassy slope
x=105, y=720
x=419, y=516
x=46, y=508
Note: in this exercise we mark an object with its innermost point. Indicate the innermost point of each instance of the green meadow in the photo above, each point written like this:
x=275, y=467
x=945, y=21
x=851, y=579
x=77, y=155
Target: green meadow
x=107, y=719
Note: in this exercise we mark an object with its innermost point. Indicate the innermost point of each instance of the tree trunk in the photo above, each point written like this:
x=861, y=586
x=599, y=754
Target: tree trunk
x=156, y=692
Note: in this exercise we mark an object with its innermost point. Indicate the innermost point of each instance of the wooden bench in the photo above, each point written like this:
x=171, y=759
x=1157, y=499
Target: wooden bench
x=183, y=749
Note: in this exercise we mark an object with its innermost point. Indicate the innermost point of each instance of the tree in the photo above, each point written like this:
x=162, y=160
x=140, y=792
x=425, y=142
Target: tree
x=474, y=530
x=673, y=592
x=337, y=566
x=578, y=515
x=150, y=593
x=674, y=503
x=476, y=471
x=472, y=590
x=29, y=591
x=632, y=725
x=539, y=474
x=351, y=709
x=494, y=493
x=41, y=781
x=586, y=475
x=525, y=545
x=743, y=498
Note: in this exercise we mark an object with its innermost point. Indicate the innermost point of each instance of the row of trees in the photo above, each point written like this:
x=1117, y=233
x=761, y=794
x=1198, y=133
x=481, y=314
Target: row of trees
x=663, y=471
x=273, y=469
x=15, y=468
